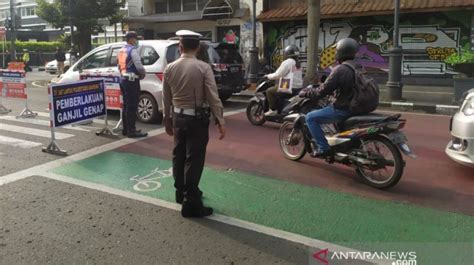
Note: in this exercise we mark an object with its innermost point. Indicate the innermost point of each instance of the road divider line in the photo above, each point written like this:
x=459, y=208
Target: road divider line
x=39, y=122
x=34, y=132
x=4, y=140
x=292, y=237
x=44, y=168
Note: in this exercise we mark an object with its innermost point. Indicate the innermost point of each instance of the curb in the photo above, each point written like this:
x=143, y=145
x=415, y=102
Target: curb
x=424, y=107
x=399, y=106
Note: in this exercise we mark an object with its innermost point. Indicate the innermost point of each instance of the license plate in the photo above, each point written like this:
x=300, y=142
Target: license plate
x=234, y=69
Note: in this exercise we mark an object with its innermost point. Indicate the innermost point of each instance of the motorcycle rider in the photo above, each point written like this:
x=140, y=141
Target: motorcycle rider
x=340, y=85
x=290, y=64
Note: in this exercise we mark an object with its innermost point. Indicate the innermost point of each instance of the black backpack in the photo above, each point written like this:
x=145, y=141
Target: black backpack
x=366, y=92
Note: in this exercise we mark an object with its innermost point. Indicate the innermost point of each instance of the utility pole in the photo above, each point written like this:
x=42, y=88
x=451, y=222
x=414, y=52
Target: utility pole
x=71, y=24
x=394, y=83
x=13, y=30
x=314, y=20
x=253, y=51
x=115, y=32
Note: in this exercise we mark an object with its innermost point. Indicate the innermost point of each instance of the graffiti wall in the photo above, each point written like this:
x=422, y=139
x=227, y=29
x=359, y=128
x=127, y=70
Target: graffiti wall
x=426, y=44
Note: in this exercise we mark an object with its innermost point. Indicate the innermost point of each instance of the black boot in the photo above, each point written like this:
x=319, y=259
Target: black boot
x=193, y=207
x=137, y=134
x=180, y=196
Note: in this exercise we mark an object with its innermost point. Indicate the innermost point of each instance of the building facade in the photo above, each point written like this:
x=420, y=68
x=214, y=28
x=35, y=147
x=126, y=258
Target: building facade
x=31, y=28
x=430, y=31
x=218, y=20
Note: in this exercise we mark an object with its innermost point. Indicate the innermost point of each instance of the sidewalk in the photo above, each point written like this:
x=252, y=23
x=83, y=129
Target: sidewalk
x=429, y=99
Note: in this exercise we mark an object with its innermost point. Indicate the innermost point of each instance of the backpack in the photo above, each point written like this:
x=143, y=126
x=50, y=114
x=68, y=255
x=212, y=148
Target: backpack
x=366, y=92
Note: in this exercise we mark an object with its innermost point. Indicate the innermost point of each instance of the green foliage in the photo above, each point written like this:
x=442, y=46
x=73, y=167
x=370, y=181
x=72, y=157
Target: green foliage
x=465, y=56
x=35, y=46
x=83, y=14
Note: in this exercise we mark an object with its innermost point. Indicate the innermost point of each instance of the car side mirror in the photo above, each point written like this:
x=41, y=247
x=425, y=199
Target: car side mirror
x=80, y=67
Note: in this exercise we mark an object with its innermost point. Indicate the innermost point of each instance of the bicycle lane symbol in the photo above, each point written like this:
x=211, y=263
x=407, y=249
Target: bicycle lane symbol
x=150, y=182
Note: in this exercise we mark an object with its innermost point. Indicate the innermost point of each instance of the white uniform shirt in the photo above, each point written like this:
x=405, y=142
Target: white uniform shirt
x=286, y=67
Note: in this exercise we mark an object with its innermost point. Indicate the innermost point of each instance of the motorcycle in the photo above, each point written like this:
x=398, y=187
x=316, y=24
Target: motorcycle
x=286, y=104
x=372, y=144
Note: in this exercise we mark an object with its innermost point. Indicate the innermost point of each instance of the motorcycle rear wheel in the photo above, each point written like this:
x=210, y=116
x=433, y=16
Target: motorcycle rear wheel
x=256, y=113
x=375, y=145
x=293, y=149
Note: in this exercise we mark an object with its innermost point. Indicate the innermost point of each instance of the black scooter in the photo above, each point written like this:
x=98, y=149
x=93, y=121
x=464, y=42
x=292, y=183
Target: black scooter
x=286, y=104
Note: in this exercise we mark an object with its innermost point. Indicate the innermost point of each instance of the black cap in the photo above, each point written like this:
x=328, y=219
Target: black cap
x=131, y=35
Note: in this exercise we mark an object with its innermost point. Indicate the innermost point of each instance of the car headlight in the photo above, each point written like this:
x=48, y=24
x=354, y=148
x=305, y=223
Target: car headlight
x=468, y=109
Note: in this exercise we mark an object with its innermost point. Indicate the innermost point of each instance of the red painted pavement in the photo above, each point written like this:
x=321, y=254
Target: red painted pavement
x=431, y=180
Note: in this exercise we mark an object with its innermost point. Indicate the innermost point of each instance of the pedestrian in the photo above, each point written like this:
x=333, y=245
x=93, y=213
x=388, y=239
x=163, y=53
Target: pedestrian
x=60, y=59
x=8, y=58
x=189, y=97
x=132, y=71
x=26, y=60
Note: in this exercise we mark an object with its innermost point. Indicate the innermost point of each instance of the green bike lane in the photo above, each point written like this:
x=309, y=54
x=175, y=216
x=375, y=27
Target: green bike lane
x=247, y=179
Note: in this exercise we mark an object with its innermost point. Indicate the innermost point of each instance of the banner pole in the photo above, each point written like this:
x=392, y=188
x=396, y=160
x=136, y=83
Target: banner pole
x=53, y=147
x=118, y=127
x=27, y=113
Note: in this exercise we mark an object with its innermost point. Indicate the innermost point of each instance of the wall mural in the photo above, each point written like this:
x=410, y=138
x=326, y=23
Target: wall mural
x=425, y=47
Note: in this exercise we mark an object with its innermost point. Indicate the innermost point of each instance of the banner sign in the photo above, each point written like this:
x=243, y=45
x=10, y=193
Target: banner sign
x=113, y=95
x=77, y=102
x=12, y=84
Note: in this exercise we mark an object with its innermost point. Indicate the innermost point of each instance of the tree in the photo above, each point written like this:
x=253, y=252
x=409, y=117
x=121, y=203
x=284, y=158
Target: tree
x=83, y=14
x=314, y=19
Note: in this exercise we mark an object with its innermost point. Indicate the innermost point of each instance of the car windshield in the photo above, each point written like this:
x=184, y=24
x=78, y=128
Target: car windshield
x=208, y=54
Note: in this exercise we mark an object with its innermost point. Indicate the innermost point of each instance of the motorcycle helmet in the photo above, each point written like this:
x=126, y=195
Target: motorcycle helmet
x=346, y=49
x=291, y=51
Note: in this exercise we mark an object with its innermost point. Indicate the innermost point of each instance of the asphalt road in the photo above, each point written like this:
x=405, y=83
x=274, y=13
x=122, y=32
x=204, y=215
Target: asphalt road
x=89, y=209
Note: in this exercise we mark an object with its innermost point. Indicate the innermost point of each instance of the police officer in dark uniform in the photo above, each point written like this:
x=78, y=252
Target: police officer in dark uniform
x=189, y=98
x=131, y=71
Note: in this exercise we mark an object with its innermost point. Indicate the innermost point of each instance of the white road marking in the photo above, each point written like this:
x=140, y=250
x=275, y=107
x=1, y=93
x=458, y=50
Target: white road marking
x=307, y=241
x=40, y=122
x=43, y=170
x=34, y=132
x=4, y=140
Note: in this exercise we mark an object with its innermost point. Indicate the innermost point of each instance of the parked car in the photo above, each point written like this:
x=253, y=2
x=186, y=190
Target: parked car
x=461, y=147
x=226, y=62
x=155, y=54
x=232, y=69
x=52, y=66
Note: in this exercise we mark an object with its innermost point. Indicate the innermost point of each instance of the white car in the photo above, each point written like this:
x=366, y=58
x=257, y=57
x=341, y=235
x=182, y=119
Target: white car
x=52, y=66
x=103, y=61
x=461, y=147
x=155, y=54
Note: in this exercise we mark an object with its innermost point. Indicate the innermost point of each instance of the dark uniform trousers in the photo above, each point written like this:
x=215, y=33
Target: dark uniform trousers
x=130, y=93
x=191, y=136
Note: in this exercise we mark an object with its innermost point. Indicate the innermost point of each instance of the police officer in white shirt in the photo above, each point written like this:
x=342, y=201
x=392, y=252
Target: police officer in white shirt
x=290, y=64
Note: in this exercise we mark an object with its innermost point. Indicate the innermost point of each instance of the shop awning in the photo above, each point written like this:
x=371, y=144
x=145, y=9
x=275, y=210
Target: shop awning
x=348, y=8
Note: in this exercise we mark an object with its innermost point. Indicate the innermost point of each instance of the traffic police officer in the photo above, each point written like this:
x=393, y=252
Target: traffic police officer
x=131, y=71
x=189, y=97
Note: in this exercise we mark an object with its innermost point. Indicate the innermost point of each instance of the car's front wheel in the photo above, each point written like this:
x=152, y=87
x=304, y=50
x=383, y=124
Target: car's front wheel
x=147, y=111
